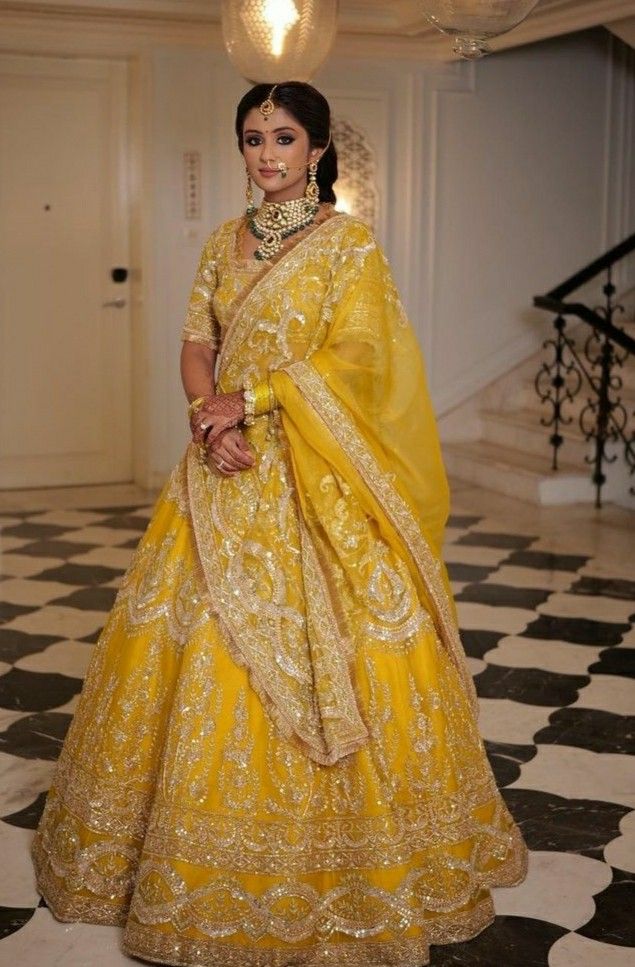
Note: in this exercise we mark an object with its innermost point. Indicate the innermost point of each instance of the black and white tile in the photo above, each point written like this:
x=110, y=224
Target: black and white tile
x=550, y=638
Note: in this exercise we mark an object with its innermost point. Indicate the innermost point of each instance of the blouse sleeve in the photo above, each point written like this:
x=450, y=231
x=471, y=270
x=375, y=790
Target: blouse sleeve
x=201, y=324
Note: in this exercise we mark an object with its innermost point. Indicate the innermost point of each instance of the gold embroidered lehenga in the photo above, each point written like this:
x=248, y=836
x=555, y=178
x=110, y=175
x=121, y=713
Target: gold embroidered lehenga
x=275, y=758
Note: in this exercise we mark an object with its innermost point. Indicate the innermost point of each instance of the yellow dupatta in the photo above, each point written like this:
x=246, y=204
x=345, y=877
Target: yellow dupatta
x=360, y=447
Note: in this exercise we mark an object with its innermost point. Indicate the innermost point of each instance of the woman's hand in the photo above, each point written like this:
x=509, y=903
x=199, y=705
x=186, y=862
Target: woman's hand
x=215, y=415
x=232, y=450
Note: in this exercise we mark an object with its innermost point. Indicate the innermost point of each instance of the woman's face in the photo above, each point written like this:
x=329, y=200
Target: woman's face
x=277, y=138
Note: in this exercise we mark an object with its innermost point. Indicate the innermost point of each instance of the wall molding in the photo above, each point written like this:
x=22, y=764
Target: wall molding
x=432, y=90
x=79, y=34
x=619, y=160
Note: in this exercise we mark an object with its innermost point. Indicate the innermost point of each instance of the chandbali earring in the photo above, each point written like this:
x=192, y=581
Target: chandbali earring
x=312, y=192
x=251, y=208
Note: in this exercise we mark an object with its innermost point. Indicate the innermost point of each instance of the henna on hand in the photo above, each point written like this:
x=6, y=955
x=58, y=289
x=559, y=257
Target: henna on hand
x=215, y=415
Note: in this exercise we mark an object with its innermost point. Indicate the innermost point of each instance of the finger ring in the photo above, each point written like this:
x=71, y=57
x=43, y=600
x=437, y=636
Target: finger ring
x=203, y=426
x=221, y=463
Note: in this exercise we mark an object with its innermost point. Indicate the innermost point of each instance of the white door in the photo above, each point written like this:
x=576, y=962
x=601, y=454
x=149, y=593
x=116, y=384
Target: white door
x=64, y=323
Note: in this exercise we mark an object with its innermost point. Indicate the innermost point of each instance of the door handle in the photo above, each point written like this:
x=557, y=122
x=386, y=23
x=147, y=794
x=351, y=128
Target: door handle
x=115, y=303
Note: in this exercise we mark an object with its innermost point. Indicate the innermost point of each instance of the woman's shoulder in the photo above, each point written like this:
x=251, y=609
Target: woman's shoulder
x=223, y=231
x=352, y=226
x=353, y=236
x=351, y=232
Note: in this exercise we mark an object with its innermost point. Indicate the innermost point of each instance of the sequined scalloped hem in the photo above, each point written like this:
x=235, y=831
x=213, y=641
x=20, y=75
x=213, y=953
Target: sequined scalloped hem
x=143, y=942
x=168, y=947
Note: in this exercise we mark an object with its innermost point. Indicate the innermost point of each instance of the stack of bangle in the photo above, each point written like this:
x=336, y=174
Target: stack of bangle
x=265, y=398
x=249, y=397
x=259, y=398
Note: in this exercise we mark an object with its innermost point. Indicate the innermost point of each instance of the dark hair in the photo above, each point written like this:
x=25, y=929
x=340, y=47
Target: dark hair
x=311, y=110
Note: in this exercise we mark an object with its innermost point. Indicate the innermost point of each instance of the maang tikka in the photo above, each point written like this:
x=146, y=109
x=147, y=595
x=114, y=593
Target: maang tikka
x=268, y=107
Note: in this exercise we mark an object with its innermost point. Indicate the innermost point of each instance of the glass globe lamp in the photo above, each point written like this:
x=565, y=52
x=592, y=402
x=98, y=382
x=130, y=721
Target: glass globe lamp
x=278, y=40
x=473, y=22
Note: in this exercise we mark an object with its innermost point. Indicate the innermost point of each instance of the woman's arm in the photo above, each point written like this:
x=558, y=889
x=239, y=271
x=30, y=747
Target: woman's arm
x=197, y=369
x=213, y=412
x=197, y=374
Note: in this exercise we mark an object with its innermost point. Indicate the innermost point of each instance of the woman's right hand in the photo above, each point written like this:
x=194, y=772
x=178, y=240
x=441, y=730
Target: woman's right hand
x=233, y=450
x=216, y=414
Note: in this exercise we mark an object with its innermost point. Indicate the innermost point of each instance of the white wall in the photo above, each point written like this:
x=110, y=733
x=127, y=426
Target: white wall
x=520, y=194
x=495, y=186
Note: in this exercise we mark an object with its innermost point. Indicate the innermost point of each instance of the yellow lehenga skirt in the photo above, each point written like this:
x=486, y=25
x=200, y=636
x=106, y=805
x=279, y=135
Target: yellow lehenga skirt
x=275, y=760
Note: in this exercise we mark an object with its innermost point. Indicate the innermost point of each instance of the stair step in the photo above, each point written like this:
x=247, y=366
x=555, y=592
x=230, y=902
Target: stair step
x=521, y=429
x=517, y=473
x=514, y=455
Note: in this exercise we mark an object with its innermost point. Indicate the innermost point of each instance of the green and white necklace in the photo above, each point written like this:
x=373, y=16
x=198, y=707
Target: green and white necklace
x=276, y=220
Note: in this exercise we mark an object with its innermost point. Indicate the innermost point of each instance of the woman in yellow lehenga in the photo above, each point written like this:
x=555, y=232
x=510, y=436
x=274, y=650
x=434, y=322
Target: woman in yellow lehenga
x=275, y=759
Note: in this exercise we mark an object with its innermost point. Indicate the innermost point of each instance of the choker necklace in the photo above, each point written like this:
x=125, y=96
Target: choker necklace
x=276, y=220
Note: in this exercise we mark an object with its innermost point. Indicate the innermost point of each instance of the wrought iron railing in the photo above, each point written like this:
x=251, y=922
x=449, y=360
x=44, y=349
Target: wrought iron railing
x=596, y=366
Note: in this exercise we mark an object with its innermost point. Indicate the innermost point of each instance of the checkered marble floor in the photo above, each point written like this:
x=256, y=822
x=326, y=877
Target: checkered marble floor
x=550, y=638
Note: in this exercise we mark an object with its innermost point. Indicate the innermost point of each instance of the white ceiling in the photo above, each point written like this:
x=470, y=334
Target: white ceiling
x=389, y=28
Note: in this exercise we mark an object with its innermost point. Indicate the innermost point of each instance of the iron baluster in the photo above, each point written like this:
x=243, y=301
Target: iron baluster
x=604, y=418
x=558, y=383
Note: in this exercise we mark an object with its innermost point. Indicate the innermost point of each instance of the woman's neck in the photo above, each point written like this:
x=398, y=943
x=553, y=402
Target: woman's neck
x=288, y=192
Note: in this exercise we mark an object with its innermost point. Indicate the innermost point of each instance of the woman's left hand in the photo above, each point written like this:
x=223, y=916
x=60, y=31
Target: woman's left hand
x=232, y=451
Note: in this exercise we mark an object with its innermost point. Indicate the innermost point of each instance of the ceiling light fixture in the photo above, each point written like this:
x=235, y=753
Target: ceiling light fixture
x=473, y=22
x=278, y=40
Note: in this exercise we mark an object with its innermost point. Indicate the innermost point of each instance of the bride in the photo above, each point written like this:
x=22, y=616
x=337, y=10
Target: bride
x=275, y=758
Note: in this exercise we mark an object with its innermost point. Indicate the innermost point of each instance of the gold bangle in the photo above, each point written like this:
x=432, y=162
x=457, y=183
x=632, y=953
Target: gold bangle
x=265, y=397
x=195, y=405
x=262, y=398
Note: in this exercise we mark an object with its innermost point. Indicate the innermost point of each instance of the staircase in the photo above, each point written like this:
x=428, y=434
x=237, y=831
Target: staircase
x=509, y=451
x=560, y=429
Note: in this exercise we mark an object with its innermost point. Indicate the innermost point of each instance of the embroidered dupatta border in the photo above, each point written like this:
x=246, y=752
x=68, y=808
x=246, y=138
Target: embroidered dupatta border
x=338, y=423
x=240, y=322
x=332, y=654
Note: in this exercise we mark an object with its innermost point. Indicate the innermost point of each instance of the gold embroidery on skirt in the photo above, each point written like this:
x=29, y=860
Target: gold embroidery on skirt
x=337, y=421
